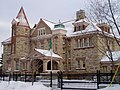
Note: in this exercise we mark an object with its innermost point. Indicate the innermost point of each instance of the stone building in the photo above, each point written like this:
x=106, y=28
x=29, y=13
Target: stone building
x=77, y=46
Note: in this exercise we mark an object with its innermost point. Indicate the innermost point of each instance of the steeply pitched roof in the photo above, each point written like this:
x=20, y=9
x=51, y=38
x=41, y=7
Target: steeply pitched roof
x=21, y=18
x=50, y=24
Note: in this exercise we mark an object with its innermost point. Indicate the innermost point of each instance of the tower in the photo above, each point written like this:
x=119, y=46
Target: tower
x=81, y=21
x=20, y=38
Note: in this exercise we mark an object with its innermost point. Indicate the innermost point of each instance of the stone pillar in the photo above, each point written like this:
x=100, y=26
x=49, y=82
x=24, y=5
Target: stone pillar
x=44, y=66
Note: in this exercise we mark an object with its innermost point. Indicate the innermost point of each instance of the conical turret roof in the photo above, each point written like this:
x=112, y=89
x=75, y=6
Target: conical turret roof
x=21, y=18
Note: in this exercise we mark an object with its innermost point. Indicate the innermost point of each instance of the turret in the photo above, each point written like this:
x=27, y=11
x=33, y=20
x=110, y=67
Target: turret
x=20, y=38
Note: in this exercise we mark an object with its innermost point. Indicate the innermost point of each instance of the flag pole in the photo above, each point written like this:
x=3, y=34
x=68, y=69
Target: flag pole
x=51, y=59
x=51, y=51
x=51, y=62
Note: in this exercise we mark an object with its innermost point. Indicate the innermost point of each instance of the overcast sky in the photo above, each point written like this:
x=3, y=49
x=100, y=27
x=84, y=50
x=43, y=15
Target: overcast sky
x=52, y=10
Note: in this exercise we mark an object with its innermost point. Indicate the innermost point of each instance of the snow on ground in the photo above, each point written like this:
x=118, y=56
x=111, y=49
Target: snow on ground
x=113, y=87
x=12, y=85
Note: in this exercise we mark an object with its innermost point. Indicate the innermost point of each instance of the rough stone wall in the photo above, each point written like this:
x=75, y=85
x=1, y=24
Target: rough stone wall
x=21, y=44
x=6, y=55
x=89, y=54
x=102, y=49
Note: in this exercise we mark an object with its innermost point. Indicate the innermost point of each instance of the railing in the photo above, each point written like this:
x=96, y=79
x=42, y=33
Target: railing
x=90, y=79
x=64, y=81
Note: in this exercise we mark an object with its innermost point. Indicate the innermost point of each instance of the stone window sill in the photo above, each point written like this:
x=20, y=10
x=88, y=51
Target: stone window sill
x=80, y=68
x=83, y=47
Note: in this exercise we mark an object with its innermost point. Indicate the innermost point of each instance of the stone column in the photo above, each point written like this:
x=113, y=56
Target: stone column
x=44, y=66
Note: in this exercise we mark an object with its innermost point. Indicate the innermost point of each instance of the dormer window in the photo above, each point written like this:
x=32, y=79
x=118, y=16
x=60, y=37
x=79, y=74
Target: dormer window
x=104, y=26
x=41, y=31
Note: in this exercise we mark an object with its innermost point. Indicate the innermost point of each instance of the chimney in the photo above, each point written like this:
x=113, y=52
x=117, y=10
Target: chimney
x=80, y=14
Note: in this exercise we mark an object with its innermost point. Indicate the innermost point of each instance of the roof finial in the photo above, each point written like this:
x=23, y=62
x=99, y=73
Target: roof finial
x=59, y=21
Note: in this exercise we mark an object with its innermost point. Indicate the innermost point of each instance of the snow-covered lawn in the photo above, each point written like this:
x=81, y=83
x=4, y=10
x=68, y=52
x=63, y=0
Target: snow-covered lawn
x=12, y=85
x=113, y=87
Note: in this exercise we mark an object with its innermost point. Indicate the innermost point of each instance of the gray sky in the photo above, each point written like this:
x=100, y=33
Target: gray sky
x=52, y=10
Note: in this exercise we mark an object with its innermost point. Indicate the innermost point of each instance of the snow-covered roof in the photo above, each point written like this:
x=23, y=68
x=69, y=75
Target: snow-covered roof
x=48, y=53
x=15, y=21
x=69, y=27
x=50, y=24
x=92, y=27
x=7, y=41
x=82, y=20
x=115, y=55
x=21, y=18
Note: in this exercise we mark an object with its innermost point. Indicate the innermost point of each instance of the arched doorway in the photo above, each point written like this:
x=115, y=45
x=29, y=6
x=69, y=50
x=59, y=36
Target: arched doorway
x=38, y=65
x=54, y=65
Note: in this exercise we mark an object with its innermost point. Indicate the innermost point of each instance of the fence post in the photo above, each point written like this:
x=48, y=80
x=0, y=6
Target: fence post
x=10, y=76
x=111, y=74
x=58, y=79
x=13, y=76
x=98, y=78
x=3, y=77
x=51, y=79
x=16, y=76
x=61, y=80
x=25, y=76
x=34, y=76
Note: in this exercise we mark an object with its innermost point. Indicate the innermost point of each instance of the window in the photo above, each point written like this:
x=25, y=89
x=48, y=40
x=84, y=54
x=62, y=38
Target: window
x=80, y=63
x=84, y=42
x=17, y=64
x=24, y=65
x=78, y=43
x=41, y=31
x=104, y=68
x=90, y=42
x=74, y=29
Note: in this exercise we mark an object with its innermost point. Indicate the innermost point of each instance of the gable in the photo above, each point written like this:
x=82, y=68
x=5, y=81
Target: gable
x=41, y=24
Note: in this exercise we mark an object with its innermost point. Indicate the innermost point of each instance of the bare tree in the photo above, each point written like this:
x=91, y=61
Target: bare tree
x=105, y=47
x=106, y=11
x=34, y=68
x=99, y=10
